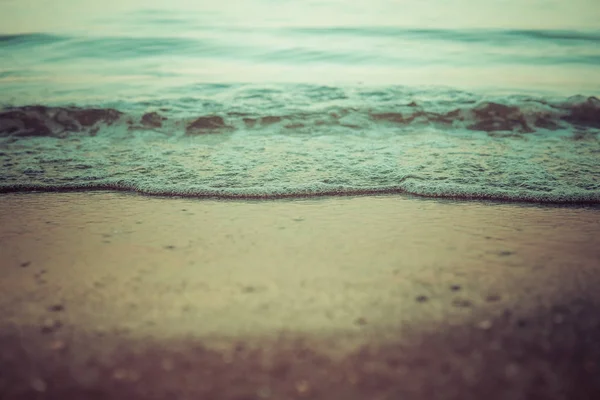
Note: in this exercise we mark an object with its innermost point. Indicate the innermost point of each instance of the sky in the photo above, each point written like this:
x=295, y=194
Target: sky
x=21, y=16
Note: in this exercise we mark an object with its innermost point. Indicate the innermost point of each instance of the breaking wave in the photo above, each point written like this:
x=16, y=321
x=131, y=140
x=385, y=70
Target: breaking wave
x=267, y=142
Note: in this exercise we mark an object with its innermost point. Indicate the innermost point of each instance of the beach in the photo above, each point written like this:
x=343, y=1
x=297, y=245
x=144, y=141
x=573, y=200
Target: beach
x=328, y=200
x=108, y=295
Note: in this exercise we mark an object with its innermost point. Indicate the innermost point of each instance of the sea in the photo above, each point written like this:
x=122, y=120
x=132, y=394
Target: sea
x=267, y=99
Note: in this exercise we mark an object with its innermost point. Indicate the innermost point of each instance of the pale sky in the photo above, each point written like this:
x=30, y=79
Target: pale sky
x=18, y=16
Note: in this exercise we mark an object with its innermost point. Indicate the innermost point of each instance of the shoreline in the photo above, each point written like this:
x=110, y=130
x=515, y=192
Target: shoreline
x=116, y=189
x=114, y=295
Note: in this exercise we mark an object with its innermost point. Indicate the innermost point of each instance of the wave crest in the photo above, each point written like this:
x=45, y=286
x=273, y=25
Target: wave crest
x=487, y=116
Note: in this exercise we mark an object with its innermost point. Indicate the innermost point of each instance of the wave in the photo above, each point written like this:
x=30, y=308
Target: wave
x=566, y=37
x=568, y=198
x=113, y=47
x=272, y=142
x=374, y=46
x=25, y=39
x=490, y=36
x=486, y=116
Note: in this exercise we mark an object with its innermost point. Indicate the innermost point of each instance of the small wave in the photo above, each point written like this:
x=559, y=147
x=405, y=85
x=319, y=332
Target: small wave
x=132, y=47
x=30, y=39
x=575, y=198
x=486, y=116
x=558, y=35
x=269, y=142
x=457, y=35
x=376, y=46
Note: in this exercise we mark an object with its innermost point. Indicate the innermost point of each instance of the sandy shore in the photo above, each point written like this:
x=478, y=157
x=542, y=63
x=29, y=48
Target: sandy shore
x=121, y=296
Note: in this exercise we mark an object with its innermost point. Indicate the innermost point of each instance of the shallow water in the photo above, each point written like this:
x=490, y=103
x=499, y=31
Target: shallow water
x=286, y=99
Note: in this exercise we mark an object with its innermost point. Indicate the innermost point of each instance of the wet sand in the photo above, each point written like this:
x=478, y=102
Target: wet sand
x=120, y=296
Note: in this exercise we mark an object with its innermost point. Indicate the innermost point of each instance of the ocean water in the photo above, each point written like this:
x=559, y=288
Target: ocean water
x=301, y=98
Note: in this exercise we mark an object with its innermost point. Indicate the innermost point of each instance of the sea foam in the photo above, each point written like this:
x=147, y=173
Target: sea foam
x=308, y=141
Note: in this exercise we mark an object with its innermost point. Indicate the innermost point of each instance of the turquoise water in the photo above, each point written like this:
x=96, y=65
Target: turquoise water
x=286, y=99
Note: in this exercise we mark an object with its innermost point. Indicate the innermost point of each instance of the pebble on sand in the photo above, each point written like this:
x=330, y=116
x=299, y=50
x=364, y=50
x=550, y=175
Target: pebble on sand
x=50, y=325
x=493, y=298
x=56, y=307
x=249, y=289
x=462, y=303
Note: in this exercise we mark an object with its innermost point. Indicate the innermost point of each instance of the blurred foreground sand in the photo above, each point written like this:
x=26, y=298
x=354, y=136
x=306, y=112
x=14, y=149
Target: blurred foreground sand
x=118, y=296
